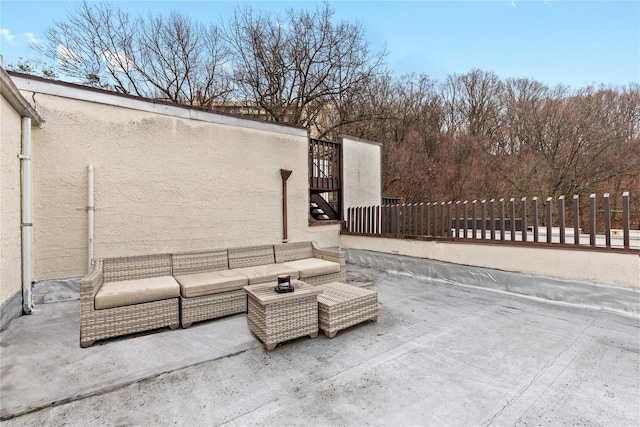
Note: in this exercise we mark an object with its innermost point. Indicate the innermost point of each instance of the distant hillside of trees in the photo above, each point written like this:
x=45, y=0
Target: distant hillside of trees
x=477, y=136
x=471, y=136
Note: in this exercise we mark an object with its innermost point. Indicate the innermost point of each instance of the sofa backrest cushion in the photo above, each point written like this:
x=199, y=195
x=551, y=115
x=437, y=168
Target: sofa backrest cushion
x=250, y=256
x=199, y=262
x=136, y=267
x=293, y=251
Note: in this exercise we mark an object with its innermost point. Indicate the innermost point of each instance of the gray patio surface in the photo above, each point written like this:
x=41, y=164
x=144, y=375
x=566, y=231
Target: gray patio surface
x=439, y=354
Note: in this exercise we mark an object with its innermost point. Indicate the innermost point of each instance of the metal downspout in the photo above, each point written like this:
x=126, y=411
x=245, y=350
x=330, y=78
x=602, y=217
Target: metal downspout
x=27, y=221
x=90, y=211
x=285, y=175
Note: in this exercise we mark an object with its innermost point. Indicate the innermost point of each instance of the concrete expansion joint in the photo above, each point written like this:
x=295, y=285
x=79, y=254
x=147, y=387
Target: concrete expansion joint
x=117, y=387
x=546, y=385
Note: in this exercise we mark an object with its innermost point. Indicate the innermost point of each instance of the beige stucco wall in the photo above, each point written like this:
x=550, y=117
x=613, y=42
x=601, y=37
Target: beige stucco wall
x=10, y=235
x=362, y=180
x=324, y=235
x=163, y=183
x=610, y=268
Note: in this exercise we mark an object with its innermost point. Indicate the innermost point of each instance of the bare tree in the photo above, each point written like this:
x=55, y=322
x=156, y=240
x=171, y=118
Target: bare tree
x=521, y=100
x=33, y=66
x=182, y=59
x=173, y=58
x=472, y=103
x=298, y=67
x=369, y=112
x=93, y=45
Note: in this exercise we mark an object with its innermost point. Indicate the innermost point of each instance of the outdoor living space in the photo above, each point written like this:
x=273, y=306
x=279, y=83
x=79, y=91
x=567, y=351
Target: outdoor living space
x=468, y=312
x=440, y=353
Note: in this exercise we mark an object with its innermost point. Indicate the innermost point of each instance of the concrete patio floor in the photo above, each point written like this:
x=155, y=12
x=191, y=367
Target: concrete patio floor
x=439, y=354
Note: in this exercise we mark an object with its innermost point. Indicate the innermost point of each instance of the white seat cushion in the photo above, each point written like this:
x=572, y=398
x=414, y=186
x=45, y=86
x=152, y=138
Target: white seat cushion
x=266, y=273
x=312, y=267
x=214, y=282
x=129, y=292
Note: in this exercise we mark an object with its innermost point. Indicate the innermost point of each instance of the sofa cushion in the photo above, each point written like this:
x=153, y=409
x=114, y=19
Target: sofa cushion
x=129, y=292
x=312, y=267
x=266, y=273
x=213, y=282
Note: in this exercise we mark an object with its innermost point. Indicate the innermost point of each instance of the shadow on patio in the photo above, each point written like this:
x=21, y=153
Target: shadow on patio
x=439, y=354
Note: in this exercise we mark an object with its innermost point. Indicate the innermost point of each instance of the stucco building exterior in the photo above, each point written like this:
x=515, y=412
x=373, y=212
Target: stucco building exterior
x=117, y=175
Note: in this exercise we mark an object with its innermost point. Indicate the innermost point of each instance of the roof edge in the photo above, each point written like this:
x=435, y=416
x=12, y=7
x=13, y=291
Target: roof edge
x=12, y=94
x=355, y=138
x=27, y=82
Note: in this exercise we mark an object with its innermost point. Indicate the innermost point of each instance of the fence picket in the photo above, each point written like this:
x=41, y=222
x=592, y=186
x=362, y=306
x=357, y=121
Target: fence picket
x=512, y=223
x=492, y=215
x=483, y=217
x=592, y=220
x=405, y=219
x=457, y=224
x=576, y=219
x=523, y=215
x=502, y=231
x=607, y=220
x=549, y=219
x=449, y=213
x=535, y=219
x=466, y=218
x=625, y=219
x=473, y=219
x=367, y=220
x=443, y=215
x=435, y=219
x=561, y=218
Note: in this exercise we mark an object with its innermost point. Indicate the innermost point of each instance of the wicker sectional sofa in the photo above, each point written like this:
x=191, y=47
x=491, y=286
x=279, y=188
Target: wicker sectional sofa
x=131, y=294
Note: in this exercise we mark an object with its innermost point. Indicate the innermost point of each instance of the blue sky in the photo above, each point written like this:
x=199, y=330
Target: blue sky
x=576, y=43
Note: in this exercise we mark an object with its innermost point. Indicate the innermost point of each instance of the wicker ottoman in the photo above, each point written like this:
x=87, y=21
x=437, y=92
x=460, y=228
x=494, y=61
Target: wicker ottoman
x=341, y=306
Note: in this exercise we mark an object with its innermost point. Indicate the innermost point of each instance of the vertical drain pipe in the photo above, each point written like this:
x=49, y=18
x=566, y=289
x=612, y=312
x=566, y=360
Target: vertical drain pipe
x=285, y=175
x=27, y=221
x=90, y=210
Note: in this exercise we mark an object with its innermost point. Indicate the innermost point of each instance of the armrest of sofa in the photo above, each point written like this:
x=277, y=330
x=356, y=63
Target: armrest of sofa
x=329, y=255
x=91, y=283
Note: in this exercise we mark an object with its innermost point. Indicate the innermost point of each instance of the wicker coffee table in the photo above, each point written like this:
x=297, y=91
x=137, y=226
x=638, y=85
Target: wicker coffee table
x=341, y=306
x=276, y=318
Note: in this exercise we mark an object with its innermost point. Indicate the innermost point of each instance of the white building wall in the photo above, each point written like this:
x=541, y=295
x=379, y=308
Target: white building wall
x=610, y=268
x=167, y=179
x=10, y=235
x=362, y=183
